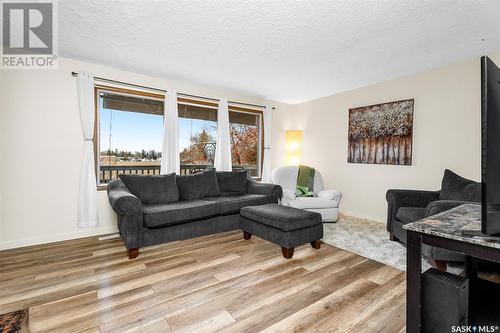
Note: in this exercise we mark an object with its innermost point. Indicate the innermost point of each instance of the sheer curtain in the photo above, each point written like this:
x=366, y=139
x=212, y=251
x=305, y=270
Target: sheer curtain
x=87, y=196
x=222, y=161
x=170, y=159
x=266, y=162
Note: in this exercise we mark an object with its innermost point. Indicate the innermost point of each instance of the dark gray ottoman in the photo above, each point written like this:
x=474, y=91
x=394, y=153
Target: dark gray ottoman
x=282, y=225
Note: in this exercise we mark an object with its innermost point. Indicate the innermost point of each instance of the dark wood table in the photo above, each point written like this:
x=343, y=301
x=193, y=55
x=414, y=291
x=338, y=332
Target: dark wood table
x=443, y=230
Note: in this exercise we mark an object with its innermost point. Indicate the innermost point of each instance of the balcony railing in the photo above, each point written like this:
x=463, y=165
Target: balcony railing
x=111, y=172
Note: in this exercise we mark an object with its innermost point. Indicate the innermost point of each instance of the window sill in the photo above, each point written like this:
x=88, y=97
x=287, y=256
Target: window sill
x=102, y=187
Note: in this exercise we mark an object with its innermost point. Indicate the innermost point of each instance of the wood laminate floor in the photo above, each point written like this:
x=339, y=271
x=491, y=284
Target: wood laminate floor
x=218, y=283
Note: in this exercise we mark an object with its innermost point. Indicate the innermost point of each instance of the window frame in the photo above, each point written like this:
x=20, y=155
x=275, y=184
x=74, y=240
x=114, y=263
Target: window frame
x=180, y=100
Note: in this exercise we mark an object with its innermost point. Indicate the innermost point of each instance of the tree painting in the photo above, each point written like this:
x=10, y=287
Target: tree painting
x=381, y=134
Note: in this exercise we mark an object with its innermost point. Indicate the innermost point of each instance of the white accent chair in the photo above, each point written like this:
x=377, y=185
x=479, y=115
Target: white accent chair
x=325, y=202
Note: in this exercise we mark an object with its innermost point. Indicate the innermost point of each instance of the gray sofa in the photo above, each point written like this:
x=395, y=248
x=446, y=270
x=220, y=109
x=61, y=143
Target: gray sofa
x=405, y=206
x=155, y=209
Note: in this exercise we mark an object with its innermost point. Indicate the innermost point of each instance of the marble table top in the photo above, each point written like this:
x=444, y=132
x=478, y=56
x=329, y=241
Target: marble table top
x=451, y=223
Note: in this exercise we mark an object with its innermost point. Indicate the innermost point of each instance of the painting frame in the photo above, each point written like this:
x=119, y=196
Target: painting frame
x=383, y=128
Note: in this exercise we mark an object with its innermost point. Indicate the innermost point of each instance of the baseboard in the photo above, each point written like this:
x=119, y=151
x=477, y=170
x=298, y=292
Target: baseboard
x=57, y=238
x=371, y=218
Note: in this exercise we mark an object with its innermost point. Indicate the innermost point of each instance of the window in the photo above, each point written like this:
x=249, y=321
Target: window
x=130, y=134
x=197, y=136
x=246, y=144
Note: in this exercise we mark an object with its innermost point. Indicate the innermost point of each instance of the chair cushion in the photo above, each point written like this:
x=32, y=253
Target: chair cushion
x=281, y=217
x=233, y=204
x=399, y=231
x=198, y=185
x=312, y=203
x=178, y=212
x=439, y=206
x=232, y=182
x=454, y=187
x=152, y=189
x=410, y=214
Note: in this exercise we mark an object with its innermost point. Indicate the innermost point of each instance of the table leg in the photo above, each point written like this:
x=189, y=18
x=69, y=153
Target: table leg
x=413, y=281
x=470, y=269
x=470, y=272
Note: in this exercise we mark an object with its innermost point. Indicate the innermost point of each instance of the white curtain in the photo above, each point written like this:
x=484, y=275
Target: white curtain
x=170, y=159
x=222, y=160
x=266, y=163
x=87, y=197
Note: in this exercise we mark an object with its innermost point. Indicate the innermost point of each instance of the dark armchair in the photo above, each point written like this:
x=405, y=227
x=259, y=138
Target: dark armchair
x=405, y=206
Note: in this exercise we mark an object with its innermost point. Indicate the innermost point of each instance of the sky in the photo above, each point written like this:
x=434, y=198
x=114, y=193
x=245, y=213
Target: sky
x=126, y=135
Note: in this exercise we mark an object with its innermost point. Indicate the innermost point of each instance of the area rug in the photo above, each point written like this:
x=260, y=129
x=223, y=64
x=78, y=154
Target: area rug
x=13, y=322
x=366, y=238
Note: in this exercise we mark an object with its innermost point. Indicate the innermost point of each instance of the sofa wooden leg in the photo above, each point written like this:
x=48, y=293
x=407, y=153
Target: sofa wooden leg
x=133, y=253
x=247, y=235
x=393, y=238
x=287, y=253
x=316, y=244
x=440, y=265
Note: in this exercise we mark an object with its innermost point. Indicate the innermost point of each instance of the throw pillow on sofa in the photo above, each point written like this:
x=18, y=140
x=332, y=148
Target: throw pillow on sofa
x=198, y=185
x=232, y=182
x=454, y=187
x=152, y=189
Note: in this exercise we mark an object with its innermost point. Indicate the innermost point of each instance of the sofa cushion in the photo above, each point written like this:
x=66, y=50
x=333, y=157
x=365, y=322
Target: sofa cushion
x=454, y=187
x=313, y=203
x=198, y=185
x=281, y=217
x=152, y=189
x=232, y=182
x=178, y=212
x=233, y=204
x=410, y=214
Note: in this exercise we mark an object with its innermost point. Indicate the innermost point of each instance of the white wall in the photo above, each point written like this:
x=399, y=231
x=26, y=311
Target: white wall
x=2, y=158
x=41, y=149
x=446, y=135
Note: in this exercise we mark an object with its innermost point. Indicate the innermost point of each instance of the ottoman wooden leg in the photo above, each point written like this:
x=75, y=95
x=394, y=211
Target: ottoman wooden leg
x=316, y=244
x=247, y=235
x=287, y=253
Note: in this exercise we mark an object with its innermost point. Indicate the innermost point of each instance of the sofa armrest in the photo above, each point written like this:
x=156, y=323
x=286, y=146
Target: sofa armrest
x=272, y=190
x=129, y=210
x=330, y=195
x=411, y=198
x=406, y=198
x=122, y=201
x=440, y=206
x=289, y=195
